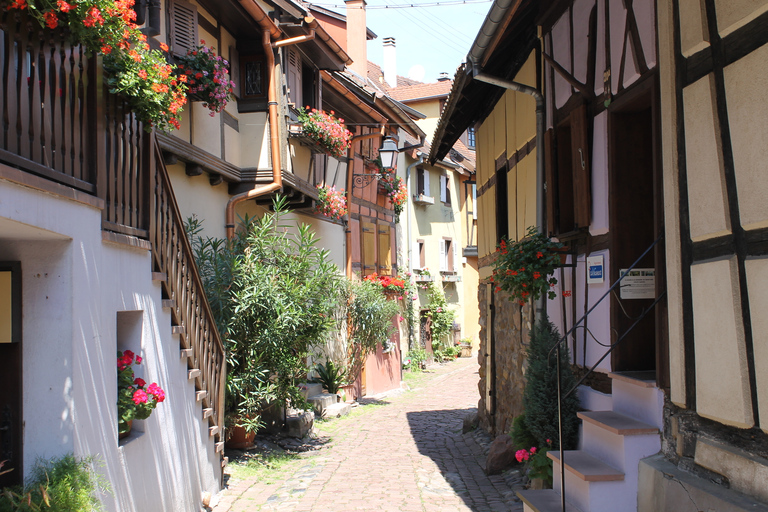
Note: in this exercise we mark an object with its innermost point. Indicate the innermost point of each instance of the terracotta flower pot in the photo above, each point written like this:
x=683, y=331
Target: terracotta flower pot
x=123, y=435
x=239, y=438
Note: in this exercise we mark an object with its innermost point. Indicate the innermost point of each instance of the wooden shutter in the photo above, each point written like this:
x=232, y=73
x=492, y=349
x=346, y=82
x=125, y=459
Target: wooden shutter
x=549, y=174
x=426, y=182
x=444, y=188
x=385, y=250
x=293, y=72
x=369, y=248
x=182, y=26
x=420, y=181
x=416, y=255
x=582, y=204
x=443, y=266
x=447, y=189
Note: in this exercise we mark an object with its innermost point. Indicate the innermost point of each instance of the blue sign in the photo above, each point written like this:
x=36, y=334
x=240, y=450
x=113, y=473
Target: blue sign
x=596, y=272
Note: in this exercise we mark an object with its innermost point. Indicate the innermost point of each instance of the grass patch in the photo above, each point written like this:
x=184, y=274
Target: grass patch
x=418, y=378
x=268, y=468
x=332, y=426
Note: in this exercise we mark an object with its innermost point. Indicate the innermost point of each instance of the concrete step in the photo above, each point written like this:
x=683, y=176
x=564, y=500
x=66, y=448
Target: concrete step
x=586, y=467
x=636, y=395
x=309, y=389
x=617, y=423
x=592, y=485
x=545, y=500
x=337, y=410
x=321, y=402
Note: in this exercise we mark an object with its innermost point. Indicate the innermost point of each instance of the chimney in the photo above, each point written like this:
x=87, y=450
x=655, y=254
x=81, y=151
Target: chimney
x=390, y=62
x=443, y=77
x=357, y=36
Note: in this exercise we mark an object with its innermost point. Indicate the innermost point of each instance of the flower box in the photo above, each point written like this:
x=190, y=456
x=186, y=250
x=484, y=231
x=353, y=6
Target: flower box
x=422, y=199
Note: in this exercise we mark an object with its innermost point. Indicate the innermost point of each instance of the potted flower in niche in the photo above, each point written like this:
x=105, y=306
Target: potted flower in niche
x=326, y=130
x=207, y=77
x=331, y=202
x=135, y=400
x=395, y=189
x=525, y=268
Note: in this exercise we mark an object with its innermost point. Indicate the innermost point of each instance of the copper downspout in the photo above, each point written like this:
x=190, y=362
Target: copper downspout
x=351, y=167
x=311, y=23
x=277, y=177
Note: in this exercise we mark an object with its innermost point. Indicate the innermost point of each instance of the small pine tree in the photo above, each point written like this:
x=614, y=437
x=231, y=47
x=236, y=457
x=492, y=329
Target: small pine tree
x=540, y=396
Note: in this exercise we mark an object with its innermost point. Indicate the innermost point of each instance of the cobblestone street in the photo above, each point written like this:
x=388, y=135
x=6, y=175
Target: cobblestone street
x=407, y=456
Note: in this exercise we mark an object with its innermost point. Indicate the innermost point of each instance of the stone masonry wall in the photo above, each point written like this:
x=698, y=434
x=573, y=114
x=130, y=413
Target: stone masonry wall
x=511, y=330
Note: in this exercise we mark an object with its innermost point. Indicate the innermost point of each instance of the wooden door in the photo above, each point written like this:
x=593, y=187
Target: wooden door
x=10, y=374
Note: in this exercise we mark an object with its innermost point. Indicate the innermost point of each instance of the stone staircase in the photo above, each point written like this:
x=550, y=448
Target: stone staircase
x=326, y=405
x=602, y=476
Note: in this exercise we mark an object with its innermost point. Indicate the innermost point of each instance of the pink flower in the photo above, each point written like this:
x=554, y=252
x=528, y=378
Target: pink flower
x=129, y=354
x=138, y=359
x=155, y=390
x=139, y=382
x=533, y=450
x=140, y=397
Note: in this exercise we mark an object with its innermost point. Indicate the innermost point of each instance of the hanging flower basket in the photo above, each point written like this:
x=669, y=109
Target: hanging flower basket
x=395, y=189
x=331, y=202
x=207, y=77
x=326, y=130
x=525, y=268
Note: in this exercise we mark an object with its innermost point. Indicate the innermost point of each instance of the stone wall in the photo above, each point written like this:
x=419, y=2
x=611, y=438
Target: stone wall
x=511, y=328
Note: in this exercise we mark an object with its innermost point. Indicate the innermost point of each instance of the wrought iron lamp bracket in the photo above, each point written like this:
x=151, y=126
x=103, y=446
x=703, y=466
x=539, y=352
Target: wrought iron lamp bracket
x=362, y=180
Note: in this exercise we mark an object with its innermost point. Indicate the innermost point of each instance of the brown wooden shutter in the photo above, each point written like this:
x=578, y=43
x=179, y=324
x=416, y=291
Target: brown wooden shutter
x=369, y=248
x=182, y=26
x=293, y=72
x=582, y=197
x=549, y=174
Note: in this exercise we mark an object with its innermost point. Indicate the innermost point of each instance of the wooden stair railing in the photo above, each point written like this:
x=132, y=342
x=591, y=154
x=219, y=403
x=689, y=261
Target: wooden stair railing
x=172, y=255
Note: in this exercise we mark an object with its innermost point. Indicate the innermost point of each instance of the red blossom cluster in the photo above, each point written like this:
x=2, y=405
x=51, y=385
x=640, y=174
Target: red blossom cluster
x=135, y=400
x=331, y=202
x=396, y=189
x=132, y=68
x=325, y=129
x=207, y=76
x=389, y=283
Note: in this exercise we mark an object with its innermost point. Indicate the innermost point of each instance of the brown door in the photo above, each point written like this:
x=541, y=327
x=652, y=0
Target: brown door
x=634, y=227
x=10, y=374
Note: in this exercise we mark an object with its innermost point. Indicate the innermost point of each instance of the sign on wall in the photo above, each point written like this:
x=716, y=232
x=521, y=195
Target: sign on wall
x=595, y=270
x=639, y=284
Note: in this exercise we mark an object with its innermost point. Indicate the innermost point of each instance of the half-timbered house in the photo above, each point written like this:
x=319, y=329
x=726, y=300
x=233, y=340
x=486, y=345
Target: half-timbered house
x=649, y=167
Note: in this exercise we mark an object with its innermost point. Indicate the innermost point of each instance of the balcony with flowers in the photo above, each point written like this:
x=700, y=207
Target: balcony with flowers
x=322, y=132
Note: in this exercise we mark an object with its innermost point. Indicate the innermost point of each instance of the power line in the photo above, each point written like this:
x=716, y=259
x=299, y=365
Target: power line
x=405, y=6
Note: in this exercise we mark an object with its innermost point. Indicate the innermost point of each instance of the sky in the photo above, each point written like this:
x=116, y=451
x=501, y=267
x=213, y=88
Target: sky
x=429, y=40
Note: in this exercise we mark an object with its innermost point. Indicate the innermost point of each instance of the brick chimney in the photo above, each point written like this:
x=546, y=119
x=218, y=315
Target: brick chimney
x=357, y=36
x=390, y=62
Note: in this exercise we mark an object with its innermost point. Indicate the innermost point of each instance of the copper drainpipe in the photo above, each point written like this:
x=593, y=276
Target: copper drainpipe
x=351, y=167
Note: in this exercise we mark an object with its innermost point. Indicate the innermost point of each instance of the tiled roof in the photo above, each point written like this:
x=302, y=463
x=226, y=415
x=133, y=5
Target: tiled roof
x=418, y=91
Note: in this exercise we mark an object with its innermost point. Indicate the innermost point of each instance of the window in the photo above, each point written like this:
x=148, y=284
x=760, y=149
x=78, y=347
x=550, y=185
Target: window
x=293, y=76
x=182, y=25
x=567, y=174
x=422, y=184
x=448, y=255
x=445, y=189
x=419, y=256
x=471, y=137
x=385, y=250
x=502, y=215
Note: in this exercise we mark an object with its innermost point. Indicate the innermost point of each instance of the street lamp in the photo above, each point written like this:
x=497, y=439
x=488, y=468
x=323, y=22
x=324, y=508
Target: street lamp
x=388, y=153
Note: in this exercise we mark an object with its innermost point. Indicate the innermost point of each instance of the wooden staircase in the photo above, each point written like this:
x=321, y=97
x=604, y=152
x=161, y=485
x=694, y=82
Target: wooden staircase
x=602, y=476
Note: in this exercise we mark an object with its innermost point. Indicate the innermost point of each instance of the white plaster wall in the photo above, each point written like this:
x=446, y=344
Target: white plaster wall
x=254, y=139
x=645, y=15
x=708, y=207
x=581, y=12
x=746, y=81
x=73, y=286
x=617, y=24
x=600, y=180
x=206, y=130
x=720, y=348
x=195, y=196
x=693, y=27
x=732, y=14
x=757, y=284
x=561, y=40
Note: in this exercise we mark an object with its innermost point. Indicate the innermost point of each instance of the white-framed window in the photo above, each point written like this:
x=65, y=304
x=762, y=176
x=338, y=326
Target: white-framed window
x=445, y=189
x=422, y=182
x=419, y=256
x=448, y=255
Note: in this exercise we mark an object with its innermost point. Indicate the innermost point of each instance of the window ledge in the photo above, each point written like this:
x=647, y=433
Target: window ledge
x=423, y=200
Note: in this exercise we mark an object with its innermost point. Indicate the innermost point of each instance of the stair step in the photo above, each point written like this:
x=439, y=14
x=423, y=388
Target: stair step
x=193, y=373
x=169, y=303
x=212, y=431
x=587, y=467
x=202, y=395
x=617, y=423
x=337, y=410
x=207, y=413
x=160, y=276
x=642, y=379
x=178, y=329
x=219, y=446
x=187, y=352
x=545, y=500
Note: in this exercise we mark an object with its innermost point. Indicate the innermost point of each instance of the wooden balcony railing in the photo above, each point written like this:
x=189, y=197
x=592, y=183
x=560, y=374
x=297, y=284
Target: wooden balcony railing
x=59, y=121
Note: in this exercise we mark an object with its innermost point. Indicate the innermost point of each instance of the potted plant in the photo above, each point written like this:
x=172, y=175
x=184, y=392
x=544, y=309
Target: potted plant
x=326, y=130
x=391, y=286
x=394, y=188
x=332, y=377
x=133, y=70
x=207, y=77
x=525, y=268
x=331, y=202
x=135, y=400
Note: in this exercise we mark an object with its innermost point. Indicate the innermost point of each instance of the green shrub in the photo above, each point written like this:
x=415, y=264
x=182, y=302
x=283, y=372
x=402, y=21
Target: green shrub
x=415, y=358
x=522, y=437
x=370, y=319
x=63, y=484
x=540, y=396
x=331, y=376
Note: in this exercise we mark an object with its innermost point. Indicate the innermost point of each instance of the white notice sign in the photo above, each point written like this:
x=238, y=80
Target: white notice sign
x=639, y=284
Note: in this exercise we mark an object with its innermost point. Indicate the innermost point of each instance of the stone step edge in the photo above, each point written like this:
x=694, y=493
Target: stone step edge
x=586, y=467
x=617, y=423
x=545, y=500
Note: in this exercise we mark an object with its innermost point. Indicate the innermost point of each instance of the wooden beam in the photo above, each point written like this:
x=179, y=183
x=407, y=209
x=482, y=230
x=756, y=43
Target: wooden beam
x=582, y=88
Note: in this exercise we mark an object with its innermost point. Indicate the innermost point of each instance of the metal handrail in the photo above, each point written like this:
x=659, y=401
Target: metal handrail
x=558, y=346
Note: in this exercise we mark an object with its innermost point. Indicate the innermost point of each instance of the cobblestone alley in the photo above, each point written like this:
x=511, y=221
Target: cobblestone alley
x=409, y=455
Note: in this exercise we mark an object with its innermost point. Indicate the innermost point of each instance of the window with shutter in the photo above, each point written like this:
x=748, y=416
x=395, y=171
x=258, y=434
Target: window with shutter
x=182, y=27
x=369, y=248
x=293, y=72
x=444, y=188
x=443, y=266
x=385, y=250
x=455, y=265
